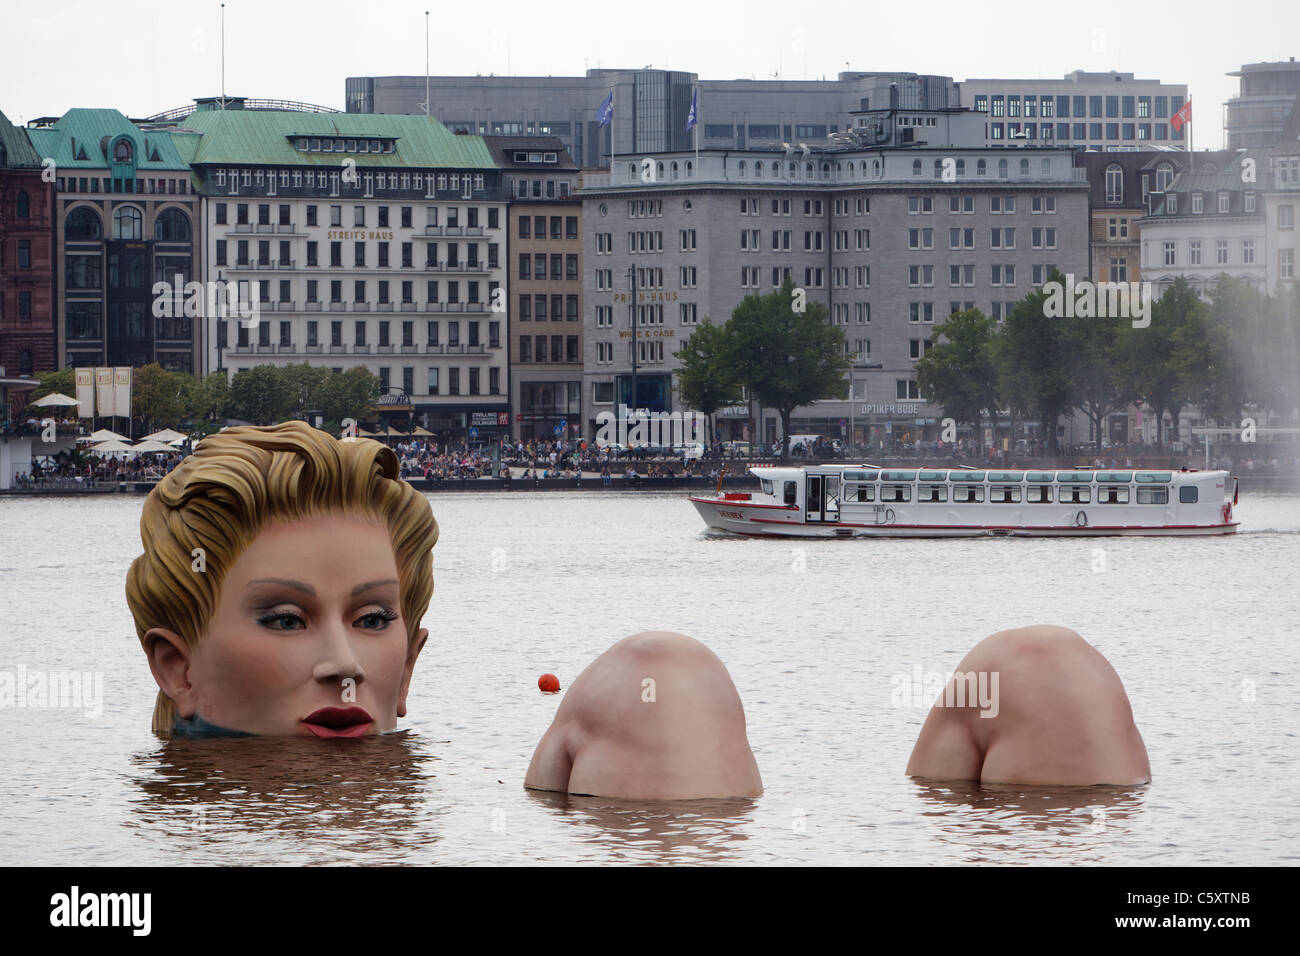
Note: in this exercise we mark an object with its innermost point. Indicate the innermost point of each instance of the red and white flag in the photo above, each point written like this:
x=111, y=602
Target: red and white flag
x=1184, y=115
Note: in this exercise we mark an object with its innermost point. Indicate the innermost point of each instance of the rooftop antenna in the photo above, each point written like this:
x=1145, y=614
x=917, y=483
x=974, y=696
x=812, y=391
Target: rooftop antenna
x=223, y=56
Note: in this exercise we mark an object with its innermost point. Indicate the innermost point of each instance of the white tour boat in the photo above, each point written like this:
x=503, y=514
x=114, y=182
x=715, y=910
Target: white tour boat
x=849, y=501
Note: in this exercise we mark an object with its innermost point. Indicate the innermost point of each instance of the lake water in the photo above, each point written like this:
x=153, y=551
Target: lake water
x=816, y=635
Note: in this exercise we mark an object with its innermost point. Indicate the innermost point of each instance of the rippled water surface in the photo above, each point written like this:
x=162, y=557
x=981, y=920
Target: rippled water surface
x=816, y=634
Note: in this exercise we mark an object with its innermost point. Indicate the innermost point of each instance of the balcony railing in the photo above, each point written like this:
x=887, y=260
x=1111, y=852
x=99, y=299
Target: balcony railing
x=408, y=306
x=360, y=306
x=384, y=306
x=311, y=306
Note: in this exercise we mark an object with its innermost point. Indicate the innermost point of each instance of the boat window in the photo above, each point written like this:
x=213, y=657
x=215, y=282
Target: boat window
x=898, y=476
x=1006, y=476
x=968, y=493
x=1155, y=477
x=1187, y=494
x=1038, y=494
x=859, y=492
x=933, y=475
x=1040, y=476
x=1152, y=496
x=895, y=492
x=832, y=485
x=1075, y=494
x=968, y=476
x=1074, y=476
x=1124, y=476
x=859, y=476
x=766, y=484
x=932, y=492
x=1004, y=494
x=1112, y=495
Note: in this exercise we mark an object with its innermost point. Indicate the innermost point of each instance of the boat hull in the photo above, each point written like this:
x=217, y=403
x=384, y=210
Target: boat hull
x=745, y=518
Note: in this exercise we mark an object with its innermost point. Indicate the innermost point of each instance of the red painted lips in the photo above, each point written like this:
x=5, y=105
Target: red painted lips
x=338, y=722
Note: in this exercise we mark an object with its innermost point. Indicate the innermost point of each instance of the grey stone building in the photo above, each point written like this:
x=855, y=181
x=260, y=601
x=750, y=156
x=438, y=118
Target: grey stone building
x=890, y=239
x=1256, y=115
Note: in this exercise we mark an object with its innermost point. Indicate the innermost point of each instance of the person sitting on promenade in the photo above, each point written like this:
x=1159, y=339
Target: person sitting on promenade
x=1034, y=705
x=656, y=716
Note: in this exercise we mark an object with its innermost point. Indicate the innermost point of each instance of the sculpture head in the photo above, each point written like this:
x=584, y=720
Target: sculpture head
x=284, y=577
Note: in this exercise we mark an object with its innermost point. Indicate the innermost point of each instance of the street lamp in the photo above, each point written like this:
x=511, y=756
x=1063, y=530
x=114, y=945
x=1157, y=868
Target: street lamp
x=631, y=278
x=853, y=430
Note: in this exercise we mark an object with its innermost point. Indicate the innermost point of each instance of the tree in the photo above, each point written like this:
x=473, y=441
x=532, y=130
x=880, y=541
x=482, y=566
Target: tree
x=306, y=381
x=1034, y=359
x=1091, y=343
x=785, y=356
x=159, y=398
x=51, y=382
x=705, y=375
x=349, y=395
x=960, y=374
x=210, y=399
x=261, y=395
x=1150, y=365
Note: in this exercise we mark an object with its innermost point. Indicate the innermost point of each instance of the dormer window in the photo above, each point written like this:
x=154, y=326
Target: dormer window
x=1198, y=203
x=122, y=151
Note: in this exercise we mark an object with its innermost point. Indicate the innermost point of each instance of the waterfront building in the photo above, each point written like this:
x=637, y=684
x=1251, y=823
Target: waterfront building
x=543, y=253
x=1082, y=110
x=125, y=218
x=1256, y=116
x=1281, y=195
x=1103, y=112
x=875, y=233
x=27, y=258
x=372, y=241
x=1208, y=222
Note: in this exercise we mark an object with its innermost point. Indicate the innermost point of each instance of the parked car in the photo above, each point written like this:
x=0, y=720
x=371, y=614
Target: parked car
x=690, y=450
x=736, y=447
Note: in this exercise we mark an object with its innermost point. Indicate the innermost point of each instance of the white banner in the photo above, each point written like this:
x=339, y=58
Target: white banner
x=104, y=392
x=122, y=391
x=85, y=382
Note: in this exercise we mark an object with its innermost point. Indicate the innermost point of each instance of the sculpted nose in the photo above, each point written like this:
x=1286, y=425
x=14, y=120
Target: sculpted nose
x=337, y=659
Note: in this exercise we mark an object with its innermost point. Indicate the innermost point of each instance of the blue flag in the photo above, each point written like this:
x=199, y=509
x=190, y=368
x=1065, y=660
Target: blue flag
x=606, y=111
x=693, y=116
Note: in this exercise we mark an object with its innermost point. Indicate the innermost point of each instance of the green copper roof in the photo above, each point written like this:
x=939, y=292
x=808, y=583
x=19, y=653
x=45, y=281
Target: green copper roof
x=266, y=137
x=80, y=139
x=17, y=148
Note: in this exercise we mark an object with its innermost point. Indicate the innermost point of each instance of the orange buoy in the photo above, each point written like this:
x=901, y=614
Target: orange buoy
x=548, y=683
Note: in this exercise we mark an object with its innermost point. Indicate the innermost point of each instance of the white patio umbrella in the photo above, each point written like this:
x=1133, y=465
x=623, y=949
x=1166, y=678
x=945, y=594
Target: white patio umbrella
x=166, y=435
x=149, y=446
x=54, y=399
x=111, y=447
x=104, y=435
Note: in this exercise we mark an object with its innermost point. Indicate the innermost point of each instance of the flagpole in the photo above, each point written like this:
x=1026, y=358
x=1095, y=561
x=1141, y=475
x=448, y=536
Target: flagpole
x=611, y=140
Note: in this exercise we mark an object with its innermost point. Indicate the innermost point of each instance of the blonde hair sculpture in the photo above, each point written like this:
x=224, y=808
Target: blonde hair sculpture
x=238, y=481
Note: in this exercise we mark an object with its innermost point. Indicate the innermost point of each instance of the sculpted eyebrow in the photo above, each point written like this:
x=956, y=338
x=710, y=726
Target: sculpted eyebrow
x=295, y=585
x=372, y=584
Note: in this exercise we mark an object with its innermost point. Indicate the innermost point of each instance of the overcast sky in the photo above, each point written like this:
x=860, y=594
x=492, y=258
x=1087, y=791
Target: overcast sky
x=145, y=56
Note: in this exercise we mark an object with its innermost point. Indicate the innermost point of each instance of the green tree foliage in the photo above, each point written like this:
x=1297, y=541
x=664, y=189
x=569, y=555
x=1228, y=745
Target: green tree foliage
x=785, y=357
x=210, y=398
x=1035, y=354
x=261, y=395
x=51, y=382
x=705, y=377
x=349, y=395
x=160, y=399
x=959, y=372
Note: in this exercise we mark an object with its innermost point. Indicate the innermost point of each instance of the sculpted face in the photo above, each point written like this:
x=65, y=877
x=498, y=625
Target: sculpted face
x=307, y=638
